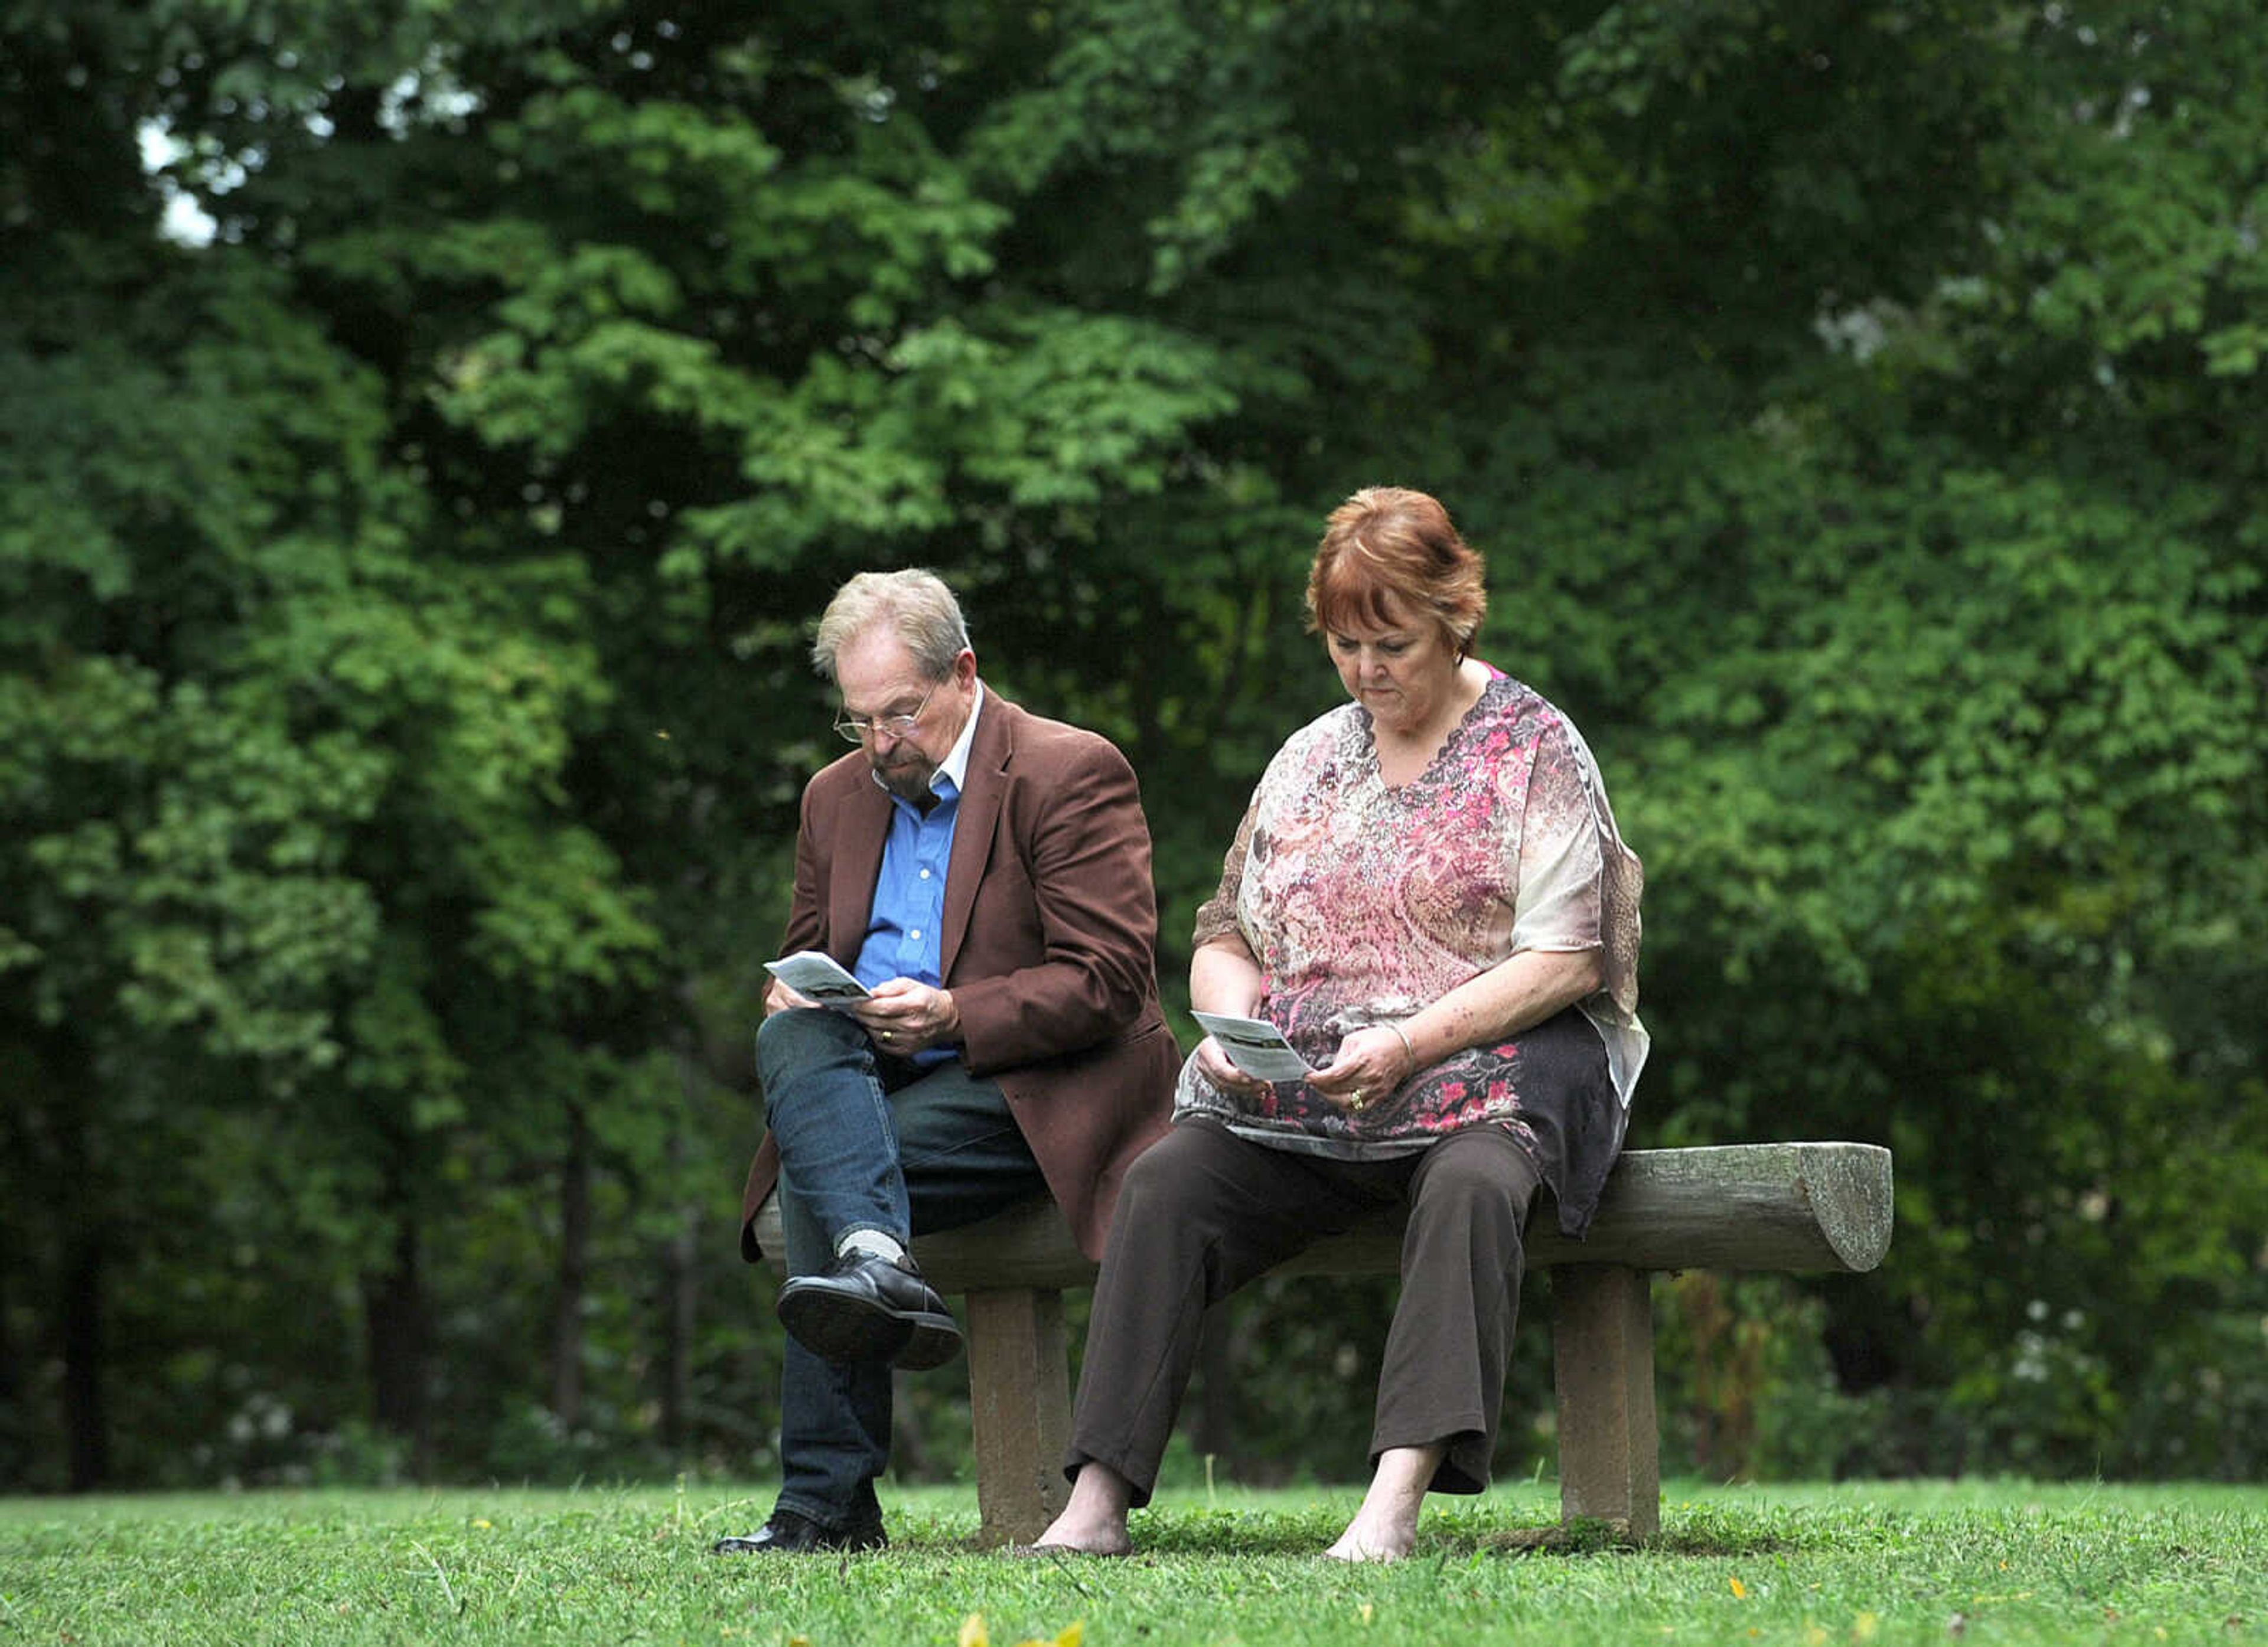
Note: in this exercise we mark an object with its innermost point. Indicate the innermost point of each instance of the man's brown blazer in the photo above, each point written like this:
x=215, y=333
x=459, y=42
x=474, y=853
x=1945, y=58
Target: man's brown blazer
x=1049, y=945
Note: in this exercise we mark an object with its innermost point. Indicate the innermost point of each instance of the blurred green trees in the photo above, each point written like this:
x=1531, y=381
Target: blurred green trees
x=403, y=590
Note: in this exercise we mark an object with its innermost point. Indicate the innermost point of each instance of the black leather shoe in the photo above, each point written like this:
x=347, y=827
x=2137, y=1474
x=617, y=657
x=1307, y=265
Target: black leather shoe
x=788, y=1533
x=865, y=1308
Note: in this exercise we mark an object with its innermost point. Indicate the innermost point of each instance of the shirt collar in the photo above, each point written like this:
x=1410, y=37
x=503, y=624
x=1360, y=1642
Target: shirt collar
x=955, y=765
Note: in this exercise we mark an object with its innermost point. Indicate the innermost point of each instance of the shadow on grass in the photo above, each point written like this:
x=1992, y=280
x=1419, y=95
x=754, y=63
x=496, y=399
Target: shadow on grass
x=1240, y=1534
x=1594, y=1538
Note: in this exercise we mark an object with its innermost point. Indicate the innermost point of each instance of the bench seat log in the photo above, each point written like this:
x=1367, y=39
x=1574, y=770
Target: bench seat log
x=1800, y=1208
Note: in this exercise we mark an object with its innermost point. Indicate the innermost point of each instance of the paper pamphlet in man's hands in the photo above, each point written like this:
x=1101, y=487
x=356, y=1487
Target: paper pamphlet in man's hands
x=1255, y=1046
x=816, y=976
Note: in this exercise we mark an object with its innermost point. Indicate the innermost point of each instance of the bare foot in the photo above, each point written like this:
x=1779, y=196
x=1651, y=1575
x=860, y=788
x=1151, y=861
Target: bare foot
x=1362, y=1542
x=1093, y=1522
x=1385, y=1529
x=1093, y=1540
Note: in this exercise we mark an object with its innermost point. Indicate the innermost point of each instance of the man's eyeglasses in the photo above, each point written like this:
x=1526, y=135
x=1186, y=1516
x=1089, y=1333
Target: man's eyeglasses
x=855, y=728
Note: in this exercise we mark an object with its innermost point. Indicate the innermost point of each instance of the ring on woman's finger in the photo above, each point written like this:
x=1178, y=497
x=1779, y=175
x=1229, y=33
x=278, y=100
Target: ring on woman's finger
x=1360, y=1098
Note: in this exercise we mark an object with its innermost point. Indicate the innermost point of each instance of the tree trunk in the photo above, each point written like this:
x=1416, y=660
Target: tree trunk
x=86, y=1418
x=394, y=1313
x=15, y=1463
x=1216, y=1426
x=85, y=1415
x=679, y=1269
x=574, y=1271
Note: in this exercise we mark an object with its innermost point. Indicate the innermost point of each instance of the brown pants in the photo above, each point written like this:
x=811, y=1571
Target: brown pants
x=1204, y=1211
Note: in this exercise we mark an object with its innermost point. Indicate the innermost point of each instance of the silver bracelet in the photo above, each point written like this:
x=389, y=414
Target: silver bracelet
x=1406, y=1047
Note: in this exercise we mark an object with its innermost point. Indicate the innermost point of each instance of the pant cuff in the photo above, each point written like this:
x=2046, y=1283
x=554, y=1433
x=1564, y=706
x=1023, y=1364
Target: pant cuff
x=833, y=1518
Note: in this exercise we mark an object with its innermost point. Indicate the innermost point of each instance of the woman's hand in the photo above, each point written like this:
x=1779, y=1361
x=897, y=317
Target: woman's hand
x=1369, y=1064
x=1225, y=978
x=1213, y=1064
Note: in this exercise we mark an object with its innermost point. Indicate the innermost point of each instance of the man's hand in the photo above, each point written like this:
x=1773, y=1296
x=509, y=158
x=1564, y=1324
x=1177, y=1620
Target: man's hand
x=906, y=1017
x=780, y=998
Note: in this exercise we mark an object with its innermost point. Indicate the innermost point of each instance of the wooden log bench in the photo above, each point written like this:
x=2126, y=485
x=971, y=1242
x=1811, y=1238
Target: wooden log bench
x=1789, y=1207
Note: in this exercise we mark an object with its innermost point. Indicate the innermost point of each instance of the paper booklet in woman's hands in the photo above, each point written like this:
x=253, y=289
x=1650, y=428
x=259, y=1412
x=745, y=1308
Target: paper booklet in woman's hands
x=817, y=976
x=1255, y=1046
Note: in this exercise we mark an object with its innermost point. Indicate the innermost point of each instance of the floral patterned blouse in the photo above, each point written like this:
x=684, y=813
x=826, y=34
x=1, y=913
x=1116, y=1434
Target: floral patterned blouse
x=1364, y=901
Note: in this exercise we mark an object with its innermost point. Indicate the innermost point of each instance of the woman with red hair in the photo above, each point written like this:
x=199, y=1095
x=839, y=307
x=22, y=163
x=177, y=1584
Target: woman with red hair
x=1429, y=897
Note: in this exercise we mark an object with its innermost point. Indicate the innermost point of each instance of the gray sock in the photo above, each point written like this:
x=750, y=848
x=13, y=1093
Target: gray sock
x=873, y=1241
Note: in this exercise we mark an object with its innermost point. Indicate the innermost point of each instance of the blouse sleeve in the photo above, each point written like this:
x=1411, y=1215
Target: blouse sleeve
x=1216, y=915
x=1557, y=906
x=1580, y=884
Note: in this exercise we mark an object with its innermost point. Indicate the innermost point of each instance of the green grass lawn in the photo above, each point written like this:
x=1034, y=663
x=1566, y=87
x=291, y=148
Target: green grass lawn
x=1875, y=1563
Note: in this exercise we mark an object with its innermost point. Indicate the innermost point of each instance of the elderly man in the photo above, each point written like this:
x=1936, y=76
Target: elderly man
x=985, y=874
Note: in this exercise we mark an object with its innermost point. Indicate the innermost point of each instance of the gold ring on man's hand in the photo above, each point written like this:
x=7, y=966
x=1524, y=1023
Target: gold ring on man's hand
x=1360, y=1099
x=889, y=1035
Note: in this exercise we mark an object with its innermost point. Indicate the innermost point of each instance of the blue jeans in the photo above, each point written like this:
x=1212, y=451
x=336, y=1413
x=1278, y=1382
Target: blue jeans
x=868, y=1143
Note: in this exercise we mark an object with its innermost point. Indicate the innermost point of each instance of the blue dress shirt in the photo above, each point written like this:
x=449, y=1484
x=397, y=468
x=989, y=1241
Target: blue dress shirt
x=905, y=935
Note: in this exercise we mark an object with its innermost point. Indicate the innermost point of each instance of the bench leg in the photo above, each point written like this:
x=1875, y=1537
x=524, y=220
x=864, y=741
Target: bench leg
x=1602, y=1355
x=1020, y=1400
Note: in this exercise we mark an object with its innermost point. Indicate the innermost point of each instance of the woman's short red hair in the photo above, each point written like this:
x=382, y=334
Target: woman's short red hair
x=1390, y=542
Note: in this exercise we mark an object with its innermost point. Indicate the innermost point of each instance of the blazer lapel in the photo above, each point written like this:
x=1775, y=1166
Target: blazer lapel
x=862, y=826
x=988, y=754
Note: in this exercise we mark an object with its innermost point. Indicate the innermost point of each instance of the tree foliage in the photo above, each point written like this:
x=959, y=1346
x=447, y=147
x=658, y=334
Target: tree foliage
x=403, y=592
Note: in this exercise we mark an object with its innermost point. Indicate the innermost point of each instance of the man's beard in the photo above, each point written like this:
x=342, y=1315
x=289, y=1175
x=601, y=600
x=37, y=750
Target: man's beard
x=910, y=781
